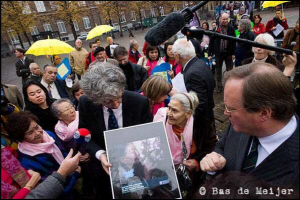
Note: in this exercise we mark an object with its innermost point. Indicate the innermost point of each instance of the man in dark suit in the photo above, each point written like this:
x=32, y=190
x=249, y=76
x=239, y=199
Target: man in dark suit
x=198, y=78
x=56, y=88
x=22, y=65
x=107, y=106
x=263, y=137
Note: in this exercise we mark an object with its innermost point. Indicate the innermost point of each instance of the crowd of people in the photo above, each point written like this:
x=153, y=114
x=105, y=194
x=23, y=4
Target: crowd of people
x=113, y=87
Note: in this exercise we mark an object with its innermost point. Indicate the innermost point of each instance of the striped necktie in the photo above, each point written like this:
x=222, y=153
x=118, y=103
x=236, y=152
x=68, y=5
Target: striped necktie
x=49, y=91
x=251, y=159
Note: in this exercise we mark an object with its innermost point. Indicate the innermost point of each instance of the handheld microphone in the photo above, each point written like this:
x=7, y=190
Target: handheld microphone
x=170, y=25
x=81, y=136
x=291, y=46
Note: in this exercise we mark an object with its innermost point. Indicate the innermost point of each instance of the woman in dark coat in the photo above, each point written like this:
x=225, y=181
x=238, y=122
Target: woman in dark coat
x=38, y=102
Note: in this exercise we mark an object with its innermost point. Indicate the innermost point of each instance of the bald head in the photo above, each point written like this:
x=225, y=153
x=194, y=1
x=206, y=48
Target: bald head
x=224, y=19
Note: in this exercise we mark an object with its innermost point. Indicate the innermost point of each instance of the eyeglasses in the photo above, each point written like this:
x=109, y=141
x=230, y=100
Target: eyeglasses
x=233, y=110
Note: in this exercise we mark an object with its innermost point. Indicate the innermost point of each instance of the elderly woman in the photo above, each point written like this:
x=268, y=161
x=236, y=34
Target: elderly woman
x=179, y=123
x=133, y=53
x=68, y=121
x=38, y=150
x=151, y=60
x=38, y=101
x=264, y=55
x=243, y=50
x=156, y=89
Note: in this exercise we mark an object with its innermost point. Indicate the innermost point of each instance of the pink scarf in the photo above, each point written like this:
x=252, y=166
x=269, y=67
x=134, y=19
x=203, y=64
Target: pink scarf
x=175, y=143
x=66, y=132
x=152, y=64
x=48, y=146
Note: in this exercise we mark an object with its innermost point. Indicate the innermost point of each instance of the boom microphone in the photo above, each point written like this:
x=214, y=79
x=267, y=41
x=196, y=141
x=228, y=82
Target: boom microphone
x=170, y=25
x=81, y=136
x=165, y=29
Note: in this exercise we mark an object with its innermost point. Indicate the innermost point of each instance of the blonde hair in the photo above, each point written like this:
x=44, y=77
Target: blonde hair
x=156, y=87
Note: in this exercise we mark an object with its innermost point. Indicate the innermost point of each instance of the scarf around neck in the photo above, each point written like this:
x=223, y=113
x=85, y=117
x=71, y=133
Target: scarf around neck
x=66, y=132
x=48, y=146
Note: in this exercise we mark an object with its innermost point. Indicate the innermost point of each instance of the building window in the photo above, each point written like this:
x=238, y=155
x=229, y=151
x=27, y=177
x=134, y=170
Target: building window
x=123, y=17
x=61, y=27
x=47, y=27
x=26, y=9
x=13, y=36
x=143, y=13
x=40, y=7
x=34, y=30
x=133, y=16
x=76, y=25
x=86, y=22
x=152, y=12
x=162, y=11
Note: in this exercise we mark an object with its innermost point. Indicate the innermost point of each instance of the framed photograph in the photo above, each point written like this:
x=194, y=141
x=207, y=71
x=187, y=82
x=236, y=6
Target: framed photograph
x=142, y=163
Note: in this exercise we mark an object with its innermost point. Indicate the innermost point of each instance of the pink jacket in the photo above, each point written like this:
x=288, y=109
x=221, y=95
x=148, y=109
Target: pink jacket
x=174, y=142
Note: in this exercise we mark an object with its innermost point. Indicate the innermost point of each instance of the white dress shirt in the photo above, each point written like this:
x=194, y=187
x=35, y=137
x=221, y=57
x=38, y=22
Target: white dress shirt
x=271, y=143
x=53, y=88
x=119, y=116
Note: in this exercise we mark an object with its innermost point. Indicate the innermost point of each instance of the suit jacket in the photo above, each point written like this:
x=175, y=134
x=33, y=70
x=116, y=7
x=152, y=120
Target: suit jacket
x=136, y=111
x=13, y=95
x=198, y=78
x=280, y=168
x=23, y=69
x=61, y=88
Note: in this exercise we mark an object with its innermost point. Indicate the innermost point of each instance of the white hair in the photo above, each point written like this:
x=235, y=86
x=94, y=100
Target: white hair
x=184, y=48
x=267, y=39
x=31, y=65
x=189, y=100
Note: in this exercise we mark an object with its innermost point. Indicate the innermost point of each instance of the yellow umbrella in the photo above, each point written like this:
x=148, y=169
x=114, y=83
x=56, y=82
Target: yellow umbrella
x=98, y=30
x=267, y=4
x=49, y=47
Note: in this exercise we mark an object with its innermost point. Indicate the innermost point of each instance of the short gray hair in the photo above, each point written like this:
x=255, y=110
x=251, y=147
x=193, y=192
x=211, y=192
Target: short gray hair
x=103, y=82
x=31, y=65
x=245, y=24
x=267, y=39
x=54, y=107
x=192, y=97
x=132, y=43
x=184, y=48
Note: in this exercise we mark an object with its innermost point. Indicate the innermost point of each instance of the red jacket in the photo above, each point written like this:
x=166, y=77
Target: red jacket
x=134, y=57
x=259, y=29
x=271, y=24
x=89, y=59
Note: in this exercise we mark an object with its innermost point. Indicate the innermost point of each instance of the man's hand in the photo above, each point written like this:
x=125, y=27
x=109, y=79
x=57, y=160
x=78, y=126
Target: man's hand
x=35, y=178
x=289, y=61
x=212, y=162
x=84, y=158
x=69, y=165
x=171, y=73
x=274, y=28
x=106, y=165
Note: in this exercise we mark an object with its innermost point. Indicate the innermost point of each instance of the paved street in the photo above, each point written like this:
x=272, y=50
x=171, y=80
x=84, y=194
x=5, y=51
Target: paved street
x=8, y=71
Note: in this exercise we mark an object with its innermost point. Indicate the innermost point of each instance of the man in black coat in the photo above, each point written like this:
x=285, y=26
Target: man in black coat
x=135, y=74
x=56, y=88
x=198, y=78
x=107, y=106
x=223, y=49
x=263, y=137
x=22, y=65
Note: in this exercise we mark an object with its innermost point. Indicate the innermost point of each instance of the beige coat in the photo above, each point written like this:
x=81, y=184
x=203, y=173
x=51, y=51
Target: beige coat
x=14, y=96
x=77, y=61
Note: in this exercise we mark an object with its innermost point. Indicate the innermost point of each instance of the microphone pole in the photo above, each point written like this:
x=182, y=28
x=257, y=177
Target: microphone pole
x=188, y=12
x=198, y=33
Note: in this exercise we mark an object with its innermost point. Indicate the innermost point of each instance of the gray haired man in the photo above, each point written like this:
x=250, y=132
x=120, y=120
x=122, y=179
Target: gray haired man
x=105, y=106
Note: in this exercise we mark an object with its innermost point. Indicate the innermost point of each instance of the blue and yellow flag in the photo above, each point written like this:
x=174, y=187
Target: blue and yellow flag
x=64, y=69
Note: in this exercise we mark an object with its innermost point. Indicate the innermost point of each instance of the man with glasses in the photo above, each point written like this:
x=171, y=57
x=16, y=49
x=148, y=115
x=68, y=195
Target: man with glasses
x=263, y=137
x=106, y=106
